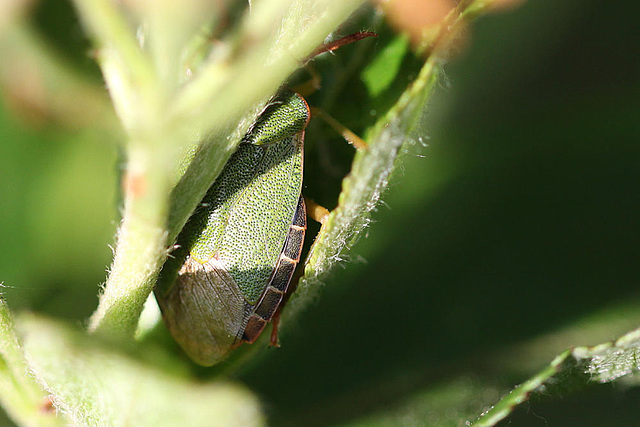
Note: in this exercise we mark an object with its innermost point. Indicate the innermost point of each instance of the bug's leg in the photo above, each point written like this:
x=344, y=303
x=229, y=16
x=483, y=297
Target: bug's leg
x=275, y=320
x=347, y=134
x=315, y=211
x=275, y=324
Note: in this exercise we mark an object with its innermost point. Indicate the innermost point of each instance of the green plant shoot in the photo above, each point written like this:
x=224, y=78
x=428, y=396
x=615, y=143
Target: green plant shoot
x=236, y=255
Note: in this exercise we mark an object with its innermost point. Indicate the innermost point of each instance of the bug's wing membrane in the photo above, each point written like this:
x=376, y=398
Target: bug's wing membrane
x=204, y=310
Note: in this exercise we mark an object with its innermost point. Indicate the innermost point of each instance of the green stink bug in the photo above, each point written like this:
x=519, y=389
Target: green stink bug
x=237, y=253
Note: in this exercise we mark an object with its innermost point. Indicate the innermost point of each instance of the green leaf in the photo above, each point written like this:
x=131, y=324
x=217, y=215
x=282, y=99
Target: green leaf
x=100, y=383
x=363, y=187
x=22, y=397
x=574, y=369
x=382, y=71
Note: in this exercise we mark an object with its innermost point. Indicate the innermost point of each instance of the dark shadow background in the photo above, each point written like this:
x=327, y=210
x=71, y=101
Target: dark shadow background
x=517, y=219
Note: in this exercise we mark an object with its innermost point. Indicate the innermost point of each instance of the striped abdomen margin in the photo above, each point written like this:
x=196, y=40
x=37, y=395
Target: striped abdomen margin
x=262, y=312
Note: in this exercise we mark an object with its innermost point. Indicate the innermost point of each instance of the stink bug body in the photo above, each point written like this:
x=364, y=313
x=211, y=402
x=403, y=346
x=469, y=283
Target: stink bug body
x=237, y=253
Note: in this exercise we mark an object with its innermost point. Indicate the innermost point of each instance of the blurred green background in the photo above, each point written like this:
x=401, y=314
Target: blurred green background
x=516, y=221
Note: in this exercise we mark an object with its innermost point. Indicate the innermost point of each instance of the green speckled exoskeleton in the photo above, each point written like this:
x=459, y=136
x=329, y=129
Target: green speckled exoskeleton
x=236, y=255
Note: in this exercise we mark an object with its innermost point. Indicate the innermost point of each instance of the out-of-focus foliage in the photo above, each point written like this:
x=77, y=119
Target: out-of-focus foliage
x=508, y=234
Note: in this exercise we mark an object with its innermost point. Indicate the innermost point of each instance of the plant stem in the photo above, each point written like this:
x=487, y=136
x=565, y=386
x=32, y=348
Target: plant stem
x=142, y=240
